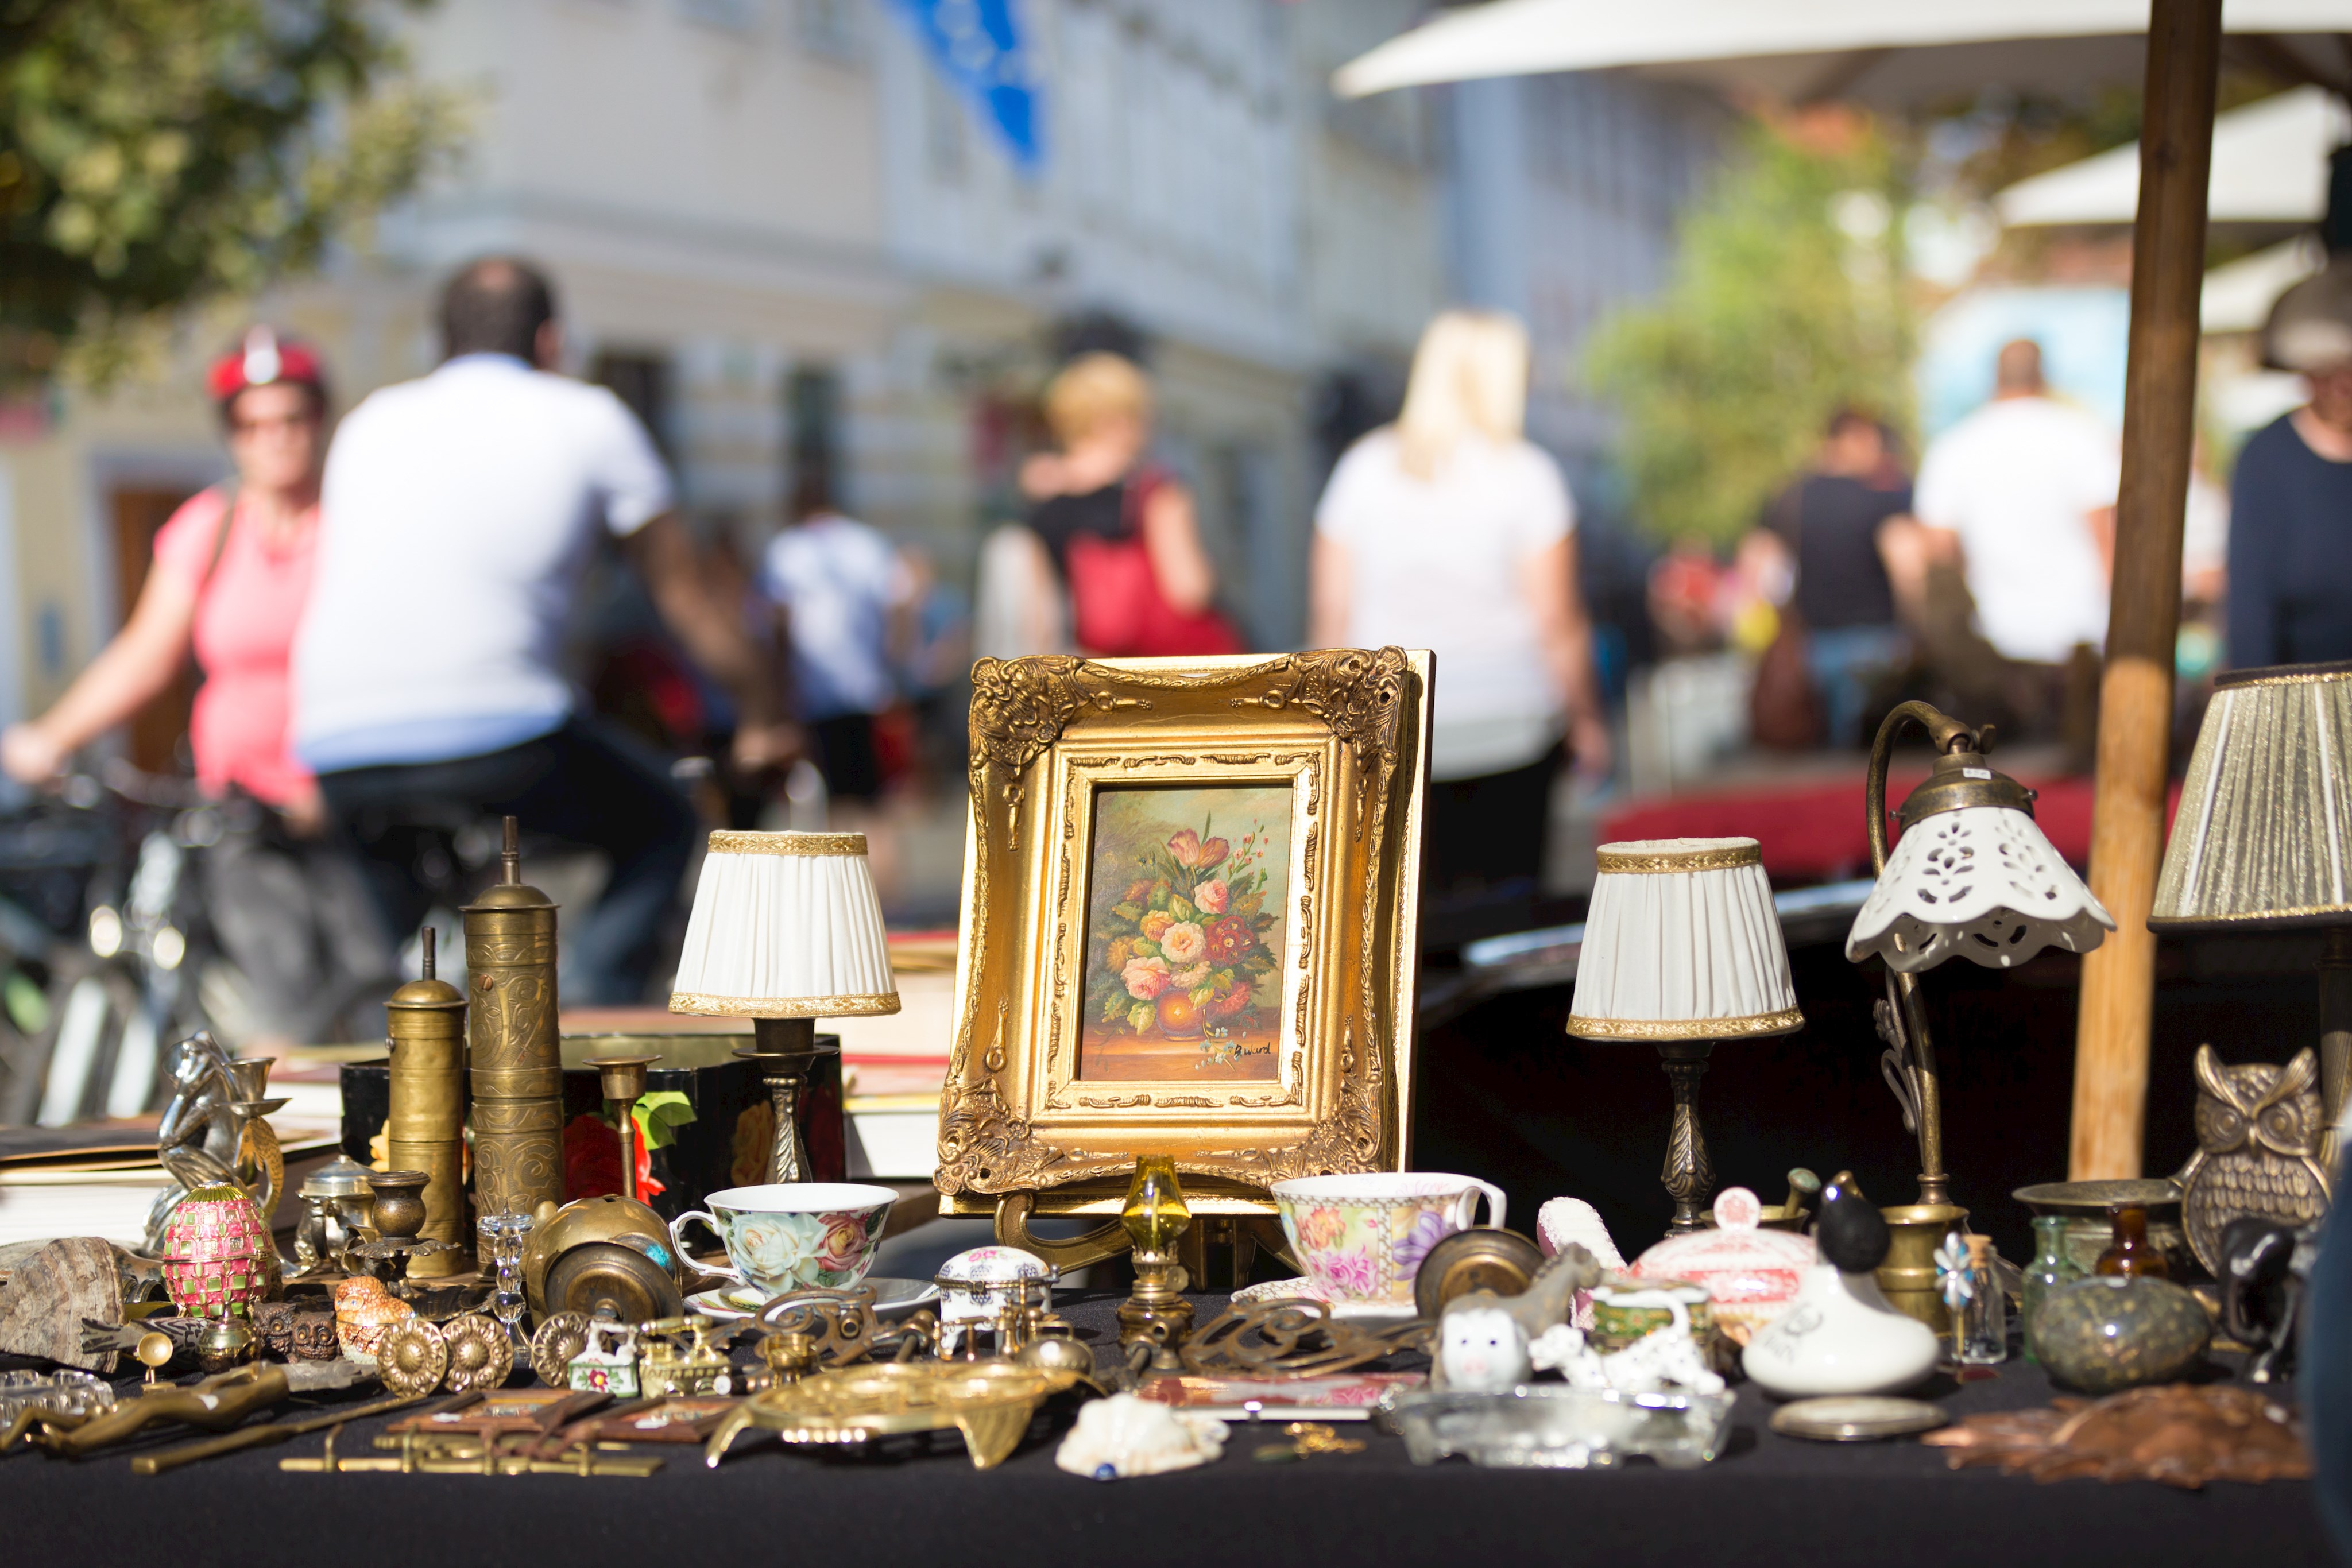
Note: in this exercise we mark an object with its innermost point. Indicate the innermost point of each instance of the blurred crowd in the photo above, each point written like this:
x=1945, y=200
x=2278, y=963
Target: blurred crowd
x=383, y=609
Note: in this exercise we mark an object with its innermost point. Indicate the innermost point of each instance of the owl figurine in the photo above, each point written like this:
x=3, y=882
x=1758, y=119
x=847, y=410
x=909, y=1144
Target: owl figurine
x=2258, y=1130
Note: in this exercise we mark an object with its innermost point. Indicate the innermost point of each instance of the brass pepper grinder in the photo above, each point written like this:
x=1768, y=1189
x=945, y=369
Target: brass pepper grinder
x=518, y=1067
x=1157, y=1315
x=624, y=1079
x=784, y=1050
x=426, y=1129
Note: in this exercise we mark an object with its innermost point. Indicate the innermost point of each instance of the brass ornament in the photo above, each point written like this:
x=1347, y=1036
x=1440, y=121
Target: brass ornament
x=480, y=1353
x=1345, y=725
x=991, y=1403
x=412, y=1357
x=559, y=1337
x=1294, y=1339
x=2258, y=1132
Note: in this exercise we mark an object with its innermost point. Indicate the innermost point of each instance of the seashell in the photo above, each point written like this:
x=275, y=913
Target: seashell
x=1126, y=1435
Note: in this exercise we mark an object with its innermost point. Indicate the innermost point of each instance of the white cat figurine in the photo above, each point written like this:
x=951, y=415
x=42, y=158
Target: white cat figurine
x=1482, y=1350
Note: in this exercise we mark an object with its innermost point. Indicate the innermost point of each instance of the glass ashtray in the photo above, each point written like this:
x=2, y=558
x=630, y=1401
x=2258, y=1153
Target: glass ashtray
x=1552, y=1426
x=62, y=1393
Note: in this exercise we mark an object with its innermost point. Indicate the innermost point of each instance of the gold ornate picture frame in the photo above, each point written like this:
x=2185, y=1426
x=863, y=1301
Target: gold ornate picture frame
x=1190, y=921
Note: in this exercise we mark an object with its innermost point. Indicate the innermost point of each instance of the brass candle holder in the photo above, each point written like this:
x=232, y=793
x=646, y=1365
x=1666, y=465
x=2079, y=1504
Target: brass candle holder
x=1155, y=1215
x=622, y=1079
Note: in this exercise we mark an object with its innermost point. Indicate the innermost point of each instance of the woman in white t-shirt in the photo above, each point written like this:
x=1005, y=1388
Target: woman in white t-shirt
x=1448, y=530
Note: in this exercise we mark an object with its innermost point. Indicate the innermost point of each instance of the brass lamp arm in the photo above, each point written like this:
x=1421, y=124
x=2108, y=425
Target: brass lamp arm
x=1949, y=734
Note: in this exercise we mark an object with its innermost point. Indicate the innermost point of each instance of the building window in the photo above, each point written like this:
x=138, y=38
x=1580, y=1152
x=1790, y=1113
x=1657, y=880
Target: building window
x=641, y=381
x=813, y=440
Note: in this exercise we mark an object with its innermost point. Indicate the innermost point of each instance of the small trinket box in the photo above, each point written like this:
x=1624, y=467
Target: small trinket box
x=608, y=1363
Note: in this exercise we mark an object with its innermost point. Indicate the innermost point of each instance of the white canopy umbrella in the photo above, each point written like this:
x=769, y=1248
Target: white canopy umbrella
x=2237, y=295
x=1875, y=51
x=2270, y=166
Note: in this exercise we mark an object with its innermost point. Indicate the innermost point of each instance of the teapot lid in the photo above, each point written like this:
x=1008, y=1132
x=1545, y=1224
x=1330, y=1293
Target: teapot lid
x=342, y=1177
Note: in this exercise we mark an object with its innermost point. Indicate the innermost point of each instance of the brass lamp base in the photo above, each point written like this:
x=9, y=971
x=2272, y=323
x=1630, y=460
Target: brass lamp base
x=1157, y=1314
x=785, y=1049
x=1907, y=1277
x=1689, y=1176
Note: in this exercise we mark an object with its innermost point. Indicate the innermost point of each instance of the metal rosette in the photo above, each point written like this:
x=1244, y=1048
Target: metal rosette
x=560, y=1336
x=480, y=1353
x=412, y=1356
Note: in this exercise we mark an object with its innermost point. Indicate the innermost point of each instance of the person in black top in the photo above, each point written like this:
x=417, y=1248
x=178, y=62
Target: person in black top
x=2290, y=580
x=1837, y=530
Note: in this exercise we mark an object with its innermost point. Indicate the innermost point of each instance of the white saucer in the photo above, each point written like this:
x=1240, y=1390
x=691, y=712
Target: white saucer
x=892, y=1298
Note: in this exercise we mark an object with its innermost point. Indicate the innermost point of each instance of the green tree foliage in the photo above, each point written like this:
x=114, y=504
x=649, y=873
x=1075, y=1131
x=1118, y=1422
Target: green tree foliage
x=157, y=153
x=1786, y=301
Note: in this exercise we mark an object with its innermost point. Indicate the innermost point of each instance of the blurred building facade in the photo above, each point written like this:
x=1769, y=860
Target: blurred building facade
x=791, y=236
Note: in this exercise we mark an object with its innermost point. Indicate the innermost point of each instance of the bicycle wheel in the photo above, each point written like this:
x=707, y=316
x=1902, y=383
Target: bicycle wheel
x=95, y=1010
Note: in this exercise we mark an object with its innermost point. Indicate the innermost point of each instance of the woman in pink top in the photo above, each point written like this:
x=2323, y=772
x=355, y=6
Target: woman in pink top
x=231, y=575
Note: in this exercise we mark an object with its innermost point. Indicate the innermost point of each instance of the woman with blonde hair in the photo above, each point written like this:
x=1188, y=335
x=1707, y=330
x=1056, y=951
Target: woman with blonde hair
x=1449, y=530
x=1121, y=529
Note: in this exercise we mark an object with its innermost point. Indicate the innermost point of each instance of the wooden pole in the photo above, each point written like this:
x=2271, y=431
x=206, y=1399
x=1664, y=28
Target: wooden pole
x=2184, y=49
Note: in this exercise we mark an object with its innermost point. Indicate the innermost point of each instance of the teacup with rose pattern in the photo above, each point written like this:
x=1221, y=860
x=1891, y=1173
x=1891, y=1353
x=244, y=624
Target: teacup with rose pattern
x=1361, y=1238
x=794, y=1236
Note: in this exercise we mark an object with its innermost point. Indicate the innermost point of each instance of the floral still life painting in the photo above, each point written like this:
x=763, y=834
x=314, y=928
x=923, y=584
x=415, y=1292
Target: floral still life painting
x=1184, y=935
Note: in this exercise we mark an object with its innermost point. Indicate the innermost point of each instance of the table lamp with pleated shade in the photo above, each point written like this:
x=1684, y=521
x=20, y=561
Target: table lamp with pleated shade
x=1682, y=949
x=2263, y=840
x=786, y=929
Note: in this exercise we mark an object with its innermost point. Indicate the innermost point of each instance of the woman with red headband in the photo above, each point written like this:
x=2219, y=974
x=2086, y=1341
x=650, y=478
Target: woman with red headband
x=231, y=575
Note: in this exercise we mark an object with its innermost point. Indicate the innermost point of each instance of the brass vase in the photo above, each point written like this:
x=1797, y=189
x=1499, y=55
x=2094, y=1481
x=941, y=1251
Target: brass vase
x=1907, y=1277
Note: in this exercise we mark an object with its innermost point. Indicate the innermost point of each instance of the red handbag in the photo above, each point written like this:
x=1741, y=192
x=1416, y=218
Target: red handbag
x=1116, y=609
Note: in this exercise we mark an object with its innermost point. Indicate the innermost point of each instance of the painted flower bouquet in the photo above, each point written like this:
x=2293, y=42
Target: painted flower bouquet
x=1183, y=947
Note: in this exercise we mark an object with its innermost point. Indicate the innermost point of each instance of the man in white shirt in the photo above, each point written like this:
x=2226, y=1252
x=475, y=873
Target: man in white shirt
x=2024, y=490
x=459, y=511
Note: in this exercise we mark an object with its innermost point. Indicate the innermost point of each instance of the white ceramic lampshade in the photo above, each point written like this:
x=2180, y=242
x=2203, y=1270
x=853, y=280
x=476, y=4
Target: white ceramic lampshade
x=1980, y=882
x=1682, y=943
x=785, y=925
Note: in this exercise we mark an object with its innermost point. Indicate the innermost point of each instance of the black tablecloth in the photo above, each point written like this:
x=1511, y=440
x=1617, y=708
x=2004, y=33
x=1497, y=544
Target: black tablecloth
x=1767, y=1501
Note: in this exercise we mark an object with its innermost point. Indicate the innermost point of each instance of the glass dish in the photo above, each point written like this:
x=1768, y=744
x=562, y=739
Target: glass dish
x=63, y=1393
x=1550, y=1425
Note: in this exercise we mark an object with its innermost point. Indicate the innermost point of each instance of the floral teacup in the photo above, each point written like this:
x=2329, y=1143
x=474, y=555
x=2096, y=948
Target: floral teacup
x=1361, y=1238
x=794, y=1236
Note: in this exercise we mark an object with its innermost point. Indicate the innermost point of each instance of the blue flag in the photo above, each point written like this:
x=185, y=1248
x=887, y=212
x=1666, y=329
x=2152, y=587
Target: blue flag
x=977, y=43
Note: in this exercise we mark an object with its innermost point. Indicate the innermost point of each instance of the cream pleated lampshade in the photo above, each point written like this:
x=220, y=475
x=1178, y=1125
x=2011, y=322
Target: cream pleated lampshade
x=2263, y=837
x=1682, y=943
x=785, y=925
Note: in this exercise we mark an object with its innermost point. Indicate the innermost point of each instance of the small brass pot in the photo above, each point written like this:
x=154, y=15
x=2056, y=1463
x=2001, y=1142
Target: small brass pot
x=1907, y=1277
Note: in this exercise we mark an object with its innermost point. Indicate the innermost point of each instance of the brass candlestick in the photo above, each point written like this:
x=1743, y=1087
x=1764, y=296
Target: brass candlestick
x=624, y=1079
x=518, y=1067
x=785, y=1049
x=1155, y=1215
x=426, y=1128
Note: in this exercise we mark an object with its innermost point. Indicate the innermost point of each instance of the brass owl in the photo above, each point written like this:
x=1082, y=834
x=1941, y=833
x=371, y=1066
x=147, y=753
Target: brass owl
x=2258, y=1130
